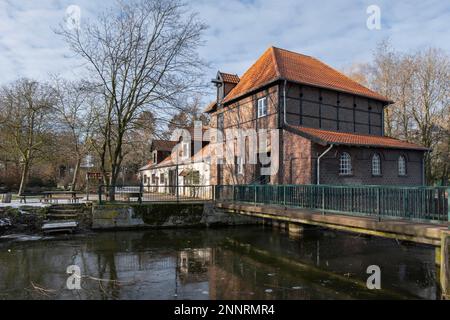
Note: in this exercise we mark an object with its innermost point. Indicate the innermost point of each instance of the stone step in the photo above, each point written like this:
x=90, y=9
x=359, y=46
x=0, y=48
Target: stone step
x=62, y=216
x=57, y=226
x=66, y=207
x=64, y=211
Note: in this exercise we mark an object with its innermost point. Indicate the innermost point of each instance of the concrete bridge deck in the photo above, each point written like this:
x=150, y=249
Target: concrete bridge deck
x=408, y=230
x=433, y=234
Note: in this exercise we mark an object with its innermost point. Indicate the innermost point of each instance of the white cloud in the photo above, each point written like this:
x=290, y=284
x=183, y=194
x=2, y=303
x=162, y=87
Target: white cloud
x=239, y=32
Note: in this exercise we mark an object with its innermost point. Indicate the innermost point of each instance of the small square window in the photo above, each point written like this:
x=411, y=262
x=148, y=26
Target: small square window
x=262, y=107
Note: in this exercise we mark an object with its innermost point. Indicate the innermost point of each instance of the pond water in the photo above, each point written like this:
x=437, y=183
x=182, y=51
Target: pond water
x=229, y=263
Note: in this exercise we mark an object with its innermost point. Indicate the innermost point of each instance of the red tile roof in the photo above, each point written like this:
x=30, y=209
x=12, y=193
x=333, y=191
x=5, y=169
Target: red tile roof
x=353, y=139
x=163, y=145
x=200, y=156
x=280, y=64
x=230, y=78
x=211, y=107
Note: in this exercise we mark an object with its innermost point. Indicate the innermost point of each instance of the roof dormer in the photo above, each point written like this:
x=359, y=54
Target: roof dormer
x=224, y=82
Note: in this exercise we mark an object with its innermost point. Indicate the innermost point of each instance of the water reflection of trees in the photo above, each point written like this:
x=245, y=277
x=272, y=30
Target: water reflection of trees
x=230, y=264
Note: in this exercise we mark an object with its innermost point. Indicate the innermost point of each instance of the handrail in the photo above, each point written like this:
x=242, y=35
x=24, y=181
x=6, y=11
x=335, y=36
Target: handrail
x=156, y=193
x=422, y=203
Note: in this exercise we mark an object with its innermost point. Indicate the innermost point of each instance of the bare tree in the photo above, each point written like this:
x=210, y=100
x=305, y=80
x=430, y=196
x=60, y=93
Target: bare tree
x=73, y=108
x=26, y=106
x=419, y=85
x=189, y=111
x=431, y=90
x=143, y=54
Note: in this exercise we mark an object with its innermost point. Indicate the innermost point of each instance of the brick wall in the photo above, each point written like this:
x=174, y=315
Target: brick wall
x=296, y=159
x=243, y=114
x=299, y=155
x=332, y=110
x=362, y=166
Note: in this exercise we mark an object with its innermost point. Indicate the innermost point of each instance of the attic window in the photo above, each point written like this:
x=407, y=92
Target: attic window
x=220, y=124
x=185, y=151
x=262, y=107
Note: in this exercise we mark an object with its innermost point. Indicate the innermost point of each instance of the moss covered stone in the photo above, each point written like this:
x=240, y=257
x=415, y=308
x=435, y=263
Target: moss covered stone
x=169, y=213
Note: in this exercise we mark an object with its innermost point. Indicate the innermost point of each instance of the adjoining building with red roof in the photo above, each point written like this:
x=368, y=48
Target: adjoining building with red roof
x=331, y=128
x=178, y=163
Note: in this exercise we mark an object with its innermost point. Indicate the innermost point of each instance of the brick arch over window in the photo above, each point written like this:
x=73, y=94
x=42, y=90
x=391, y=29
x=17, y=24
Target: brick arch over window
x=345, y=164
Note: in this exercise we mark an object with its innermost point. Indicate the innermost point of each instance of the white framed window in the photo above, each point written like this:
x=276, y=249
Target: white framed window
x=376, y=165
x=262, y=107
x=239, y=166
x=345, y=164
x=220, y=122
x=401, y=166
x=185, y=151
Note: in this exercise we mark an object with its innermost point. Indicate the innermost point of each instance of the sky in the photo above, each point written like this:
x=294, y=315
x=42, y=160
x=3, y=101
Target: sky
x=239, y=32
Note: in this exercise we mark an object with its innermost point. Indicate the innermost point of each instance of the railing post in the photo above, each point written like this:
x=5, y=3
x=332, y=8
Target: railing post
x=234, y=197
x=141, y=193
x=255, y=195
x=323, y=199
x=378, y=204
x=284, y=195
x=448, y=208
x=100, y=194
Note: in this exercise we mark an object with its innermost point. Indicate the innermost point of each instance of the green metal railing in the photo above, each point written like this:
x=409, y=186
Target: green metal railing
x=414, y=203
x=155, y=193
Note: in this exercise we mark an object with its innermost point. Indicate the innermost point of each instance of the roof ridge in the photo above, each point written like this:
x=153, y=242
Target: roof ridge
x=290, y=51
x=232, y=74
x=275, y=61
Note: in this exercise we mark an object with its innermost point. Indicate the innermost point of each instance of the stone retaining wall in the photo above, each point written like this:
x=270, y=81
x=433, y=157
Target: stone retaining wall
x=163, y=215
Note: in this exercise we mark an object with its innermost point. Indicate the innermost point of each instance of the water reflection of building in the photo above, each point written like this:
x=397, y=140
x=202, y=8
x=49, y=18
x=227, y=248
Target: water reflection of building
x=193, y=264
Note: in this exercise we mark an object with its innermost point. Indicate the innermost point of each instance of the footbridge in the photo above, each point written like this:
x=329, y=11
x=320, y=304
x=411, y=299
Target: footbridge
x=416, y=214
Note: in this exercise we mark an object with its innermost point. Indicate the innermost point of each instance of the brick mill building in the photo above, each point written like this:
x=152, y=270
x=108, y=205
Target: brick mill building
x=330, y=127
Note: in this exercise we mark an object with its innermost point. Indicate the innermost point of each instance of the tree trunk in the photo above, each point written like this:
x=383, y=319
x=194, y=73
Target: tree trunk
x=75, y=175
x=23, y=180
x=112, y=188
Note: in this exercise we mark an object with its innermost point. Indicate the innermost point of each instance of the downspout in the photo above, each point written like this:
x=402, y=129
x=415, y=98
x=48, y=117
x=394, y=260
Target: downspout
x=424, y=167
x=281, y=142
x=284, y=104
x=318, y=161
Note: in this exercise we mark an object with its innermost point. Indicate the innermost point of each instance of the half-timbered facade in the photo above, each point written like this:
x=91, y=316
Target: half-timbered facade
x=330, y=127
